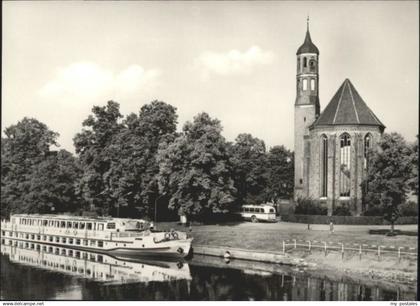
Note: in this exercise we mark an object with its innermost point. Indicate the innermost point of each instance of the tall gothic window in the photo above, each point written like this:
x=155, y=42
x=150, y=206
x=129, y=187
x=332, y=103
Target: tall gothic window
x=345, y=165
x=367, y=146
x=324, y=165
x=312, y=84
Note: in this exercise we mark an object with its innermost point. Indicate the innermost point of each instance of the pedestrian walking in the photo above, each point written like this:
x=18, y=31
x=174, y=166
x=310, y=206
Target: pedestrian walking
x=331, y=227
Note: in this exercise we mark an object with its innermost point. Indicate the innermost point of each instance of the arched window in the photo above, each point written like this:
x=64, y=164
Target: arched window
x=367, y=146
x=312, y=65
x=345, y=165
x=305, y=62
x=312, y=84
x=324, y=165
x=305, y=84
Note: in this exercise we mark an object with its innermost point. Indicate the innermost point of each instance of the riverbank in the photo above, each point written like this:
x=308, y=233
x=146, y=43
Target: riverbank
x=324, y=274
x=253, y=239
x=365, y=267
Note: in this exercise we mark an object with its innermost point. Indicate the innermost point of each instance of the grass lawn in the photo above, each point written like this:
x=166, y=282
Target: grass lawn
x=270, y=236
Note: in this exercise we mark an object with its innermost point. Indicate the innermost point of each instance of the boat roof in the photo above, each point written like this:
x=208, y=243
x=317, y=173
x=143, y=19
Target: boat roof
x=70, y=217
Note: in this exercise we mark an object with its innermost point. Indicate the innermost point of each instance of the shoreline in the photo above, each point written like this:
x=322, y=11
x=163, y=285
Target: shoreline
x=368, y=269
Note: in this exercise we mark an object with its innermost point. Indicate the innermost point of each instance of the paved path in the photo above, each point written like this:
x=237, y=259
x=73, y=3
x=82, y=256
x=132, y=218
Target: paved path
x=289, y=226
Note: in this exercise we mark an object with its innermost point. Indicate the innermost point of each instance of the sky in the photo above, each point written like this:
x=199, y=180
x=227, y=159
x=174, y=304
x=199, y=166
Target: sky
x=234, y=60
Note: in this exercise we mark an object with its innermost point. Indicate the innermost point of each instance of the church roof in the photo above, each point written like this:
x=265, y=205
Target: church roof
x=347, y=108
x=308, y=46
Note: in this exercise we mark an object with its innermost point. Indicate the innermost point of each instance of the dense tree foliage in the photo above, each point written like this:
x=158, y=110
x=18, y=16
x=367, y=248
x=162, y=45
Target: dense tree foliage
x=250, y=169
x=34, y=178
x=280, y=174
x=125, y=166
x=132, y=175
x=196, y=169
x=91, y=143
x=119, y=158
x=389, y=170
x=413, y=182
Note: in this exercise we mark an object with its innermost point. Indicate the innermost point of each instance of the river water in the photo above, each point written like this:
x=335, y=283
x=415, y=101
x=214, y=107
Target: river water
x=40, y=272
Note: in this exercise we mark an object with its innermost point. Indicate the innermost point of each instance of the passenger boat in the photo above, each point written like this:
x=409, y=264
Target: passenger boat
x=117, y=236
x=91, y=265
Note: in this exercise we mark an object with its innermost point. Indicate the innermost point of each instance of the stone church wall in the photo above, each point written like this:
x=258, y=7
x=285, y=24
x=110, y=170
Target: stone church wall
x=313, y=160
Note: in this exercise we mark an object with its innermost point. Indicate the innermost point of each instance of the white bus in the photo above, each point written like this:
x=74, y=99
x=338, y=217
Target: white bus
x=257, y=213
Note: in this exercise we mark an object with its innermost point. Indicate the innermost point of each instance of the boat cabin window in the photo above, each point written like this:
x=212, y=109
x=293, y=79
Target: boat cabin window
x=44, y=222
x=76, y=225
x=272, y=210
x=63, y=224
x=68, y=224
x=82, y=225
x=100, y=227
x=89, y=226
x=110, y=225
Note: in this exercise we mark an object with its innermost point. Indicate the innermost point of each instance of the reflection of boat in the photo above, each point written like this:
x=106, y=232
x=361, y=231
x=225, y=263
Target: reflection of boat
x=114, y=235
x=97, y=266
x=257, y=272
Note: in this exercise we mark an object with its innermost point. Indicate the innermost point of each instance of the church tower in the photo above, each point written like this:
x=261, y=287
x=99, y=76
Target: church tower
x=306, y=109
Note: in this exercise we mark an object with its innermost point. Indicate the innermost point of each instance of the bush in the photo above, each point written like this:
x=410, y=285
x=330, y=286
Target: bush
x=409, y=209
x=374, y=211
x=342, y=210
x=309, y=206
x=362, y=220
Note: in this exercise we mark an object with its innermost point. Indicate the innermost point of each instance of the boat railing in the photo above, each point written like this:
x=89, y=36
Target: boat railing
x=75, y=233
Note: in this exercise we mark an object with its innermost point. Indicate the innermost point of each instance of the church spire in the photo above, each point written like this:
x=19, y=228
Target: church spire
x=308, y=46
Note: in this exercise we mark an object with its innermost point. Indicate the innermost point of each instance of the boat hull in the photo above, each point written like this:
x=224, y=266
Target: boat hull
x=176, y=249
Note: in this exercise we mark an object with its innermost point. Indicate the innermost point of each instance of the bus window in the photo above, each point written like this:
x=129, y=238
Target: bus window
x=271, y=210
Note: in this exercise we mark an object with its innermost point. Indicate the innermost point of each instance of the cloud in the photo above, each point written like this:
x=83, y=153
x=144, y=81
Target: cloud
x=234, y=61
x=87, y=81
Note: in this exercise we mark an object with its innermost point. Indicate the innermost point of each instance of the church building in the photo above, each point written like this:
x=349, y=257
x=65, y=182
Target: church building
x=330, y=147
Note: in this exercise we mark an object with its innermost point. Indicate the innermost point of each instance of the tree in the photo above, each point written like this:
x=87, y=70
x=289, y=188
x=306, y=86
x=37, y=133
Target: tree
x=132, y=175
x=34, y=178
x=97, y=134
x=250, y=169
x=389, y=169
x=52, y=185
x=196, y=169
x=281, y=174
x=413, y=182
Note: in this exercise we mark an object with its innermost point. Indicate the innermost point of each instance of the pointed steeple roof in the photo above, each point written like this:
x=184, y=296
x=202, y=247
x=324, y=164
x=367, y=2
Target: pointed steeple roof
x=347, y=108
x=308, y=46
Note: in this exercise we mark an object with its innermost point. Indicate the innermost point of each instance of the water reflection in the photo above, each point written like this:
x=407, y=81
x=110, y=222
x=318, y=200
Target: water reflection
x=39, y=271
